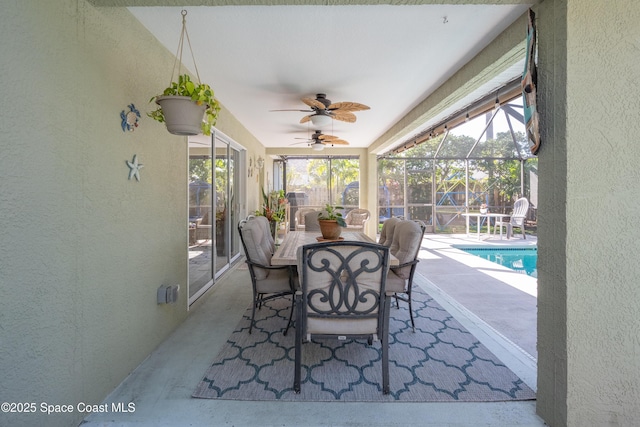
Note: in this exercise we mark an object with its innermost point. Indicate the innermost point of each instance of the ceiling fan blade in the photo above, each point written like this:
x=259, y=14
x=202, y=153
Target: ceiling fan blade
x=313, y=103
x=326, y=137
x=305, y=119
x=304, y=142
x=336, y=142
x=347, y=106
x=343, y=116
x=304, y=111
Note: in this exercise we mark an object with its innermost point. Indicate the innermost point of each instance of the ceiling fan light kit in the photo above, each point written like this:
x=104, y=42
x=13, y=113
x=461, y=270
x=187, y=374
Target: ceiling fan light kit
x=320, y=120
x=323, y=111
x=318, y=140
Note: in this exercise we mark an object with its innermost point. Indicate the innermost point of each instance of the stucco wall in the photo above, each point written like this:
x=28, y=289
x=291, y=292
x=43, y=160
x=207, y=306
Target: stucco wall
x=588, y=269
x=82, y=248
x=552, y=214
x=232, y=128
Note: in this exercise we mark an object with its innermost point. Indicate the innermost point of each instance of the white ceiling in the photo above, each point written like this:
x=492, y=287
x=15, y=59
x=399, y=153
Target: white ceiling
x=262, y=58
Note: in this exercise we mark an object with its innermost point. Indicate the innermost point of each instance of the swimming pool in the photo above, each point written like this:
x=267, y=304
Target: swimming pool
x=520, y=259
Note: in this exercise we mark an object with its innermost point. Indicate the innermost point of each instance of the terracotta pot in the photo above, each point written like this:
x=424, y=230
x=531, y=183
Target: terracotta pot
x=330, y=229
x=181, y=115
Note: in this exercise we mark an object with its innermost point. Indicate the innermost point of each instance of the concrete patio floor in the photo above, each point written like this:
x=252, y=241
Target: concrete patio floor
x=495, y=304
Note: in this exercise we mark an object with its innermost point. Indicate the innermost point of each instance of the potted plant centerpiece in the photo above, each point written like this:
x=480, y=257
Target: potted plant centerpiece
x=187, y=108
x=331, y=222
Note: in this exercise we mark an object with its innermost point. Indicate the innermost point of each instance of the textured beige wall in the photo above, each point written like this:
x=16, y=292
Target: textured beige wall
x=552, y=214
x=603, y=200
x=589, y=345
x=231, y=127
x=82, y=248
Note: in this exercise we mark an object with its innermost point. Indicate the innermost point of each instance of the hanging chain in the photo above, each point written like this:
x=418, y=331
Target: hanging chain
x=178, y=59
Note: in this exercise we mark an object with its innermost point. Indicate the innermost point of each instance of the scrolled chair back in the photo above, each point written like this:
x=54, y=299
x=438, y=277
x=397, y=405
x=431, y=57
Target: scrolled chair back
x=343, y=295
x=343, y=281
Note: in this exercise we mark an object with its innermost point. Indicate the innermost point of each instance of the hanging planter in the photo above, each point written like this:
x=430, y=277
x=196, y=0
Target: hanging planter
x=185, y=107
x=181, y=115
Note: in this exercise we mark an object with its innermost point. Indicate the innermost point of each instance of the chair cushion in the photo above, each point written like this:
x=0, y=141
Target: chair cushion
x=300, y=214
x=395, y=283
x=358, y=219
x=341, y=327
x=386, y=234
x=407, y=238
x=311, y=221
x=266, y=227
x=258, y=246
x=277, y=281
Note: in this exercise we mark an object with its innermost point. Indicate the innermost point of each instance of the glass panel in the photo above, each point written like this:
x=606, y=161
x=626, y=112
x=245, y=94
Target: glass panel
x=390, y=188
x=456, y=145
x=514, y=114
x=426, y=149
x=450, y=195
x=234, y=186
x=344, y=184
x=420, y=189
x=307, y=182
x=222, y=217
x=488, y=152
x=200, y=218
x=313, y=182
x=531, y=191
x=297, y=187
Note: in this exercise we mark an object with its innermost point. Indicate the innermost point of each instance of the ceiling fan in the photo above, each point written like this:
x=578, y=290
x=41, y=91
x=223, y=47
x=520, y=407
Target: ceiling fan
x=318, y=140
x=323, y=110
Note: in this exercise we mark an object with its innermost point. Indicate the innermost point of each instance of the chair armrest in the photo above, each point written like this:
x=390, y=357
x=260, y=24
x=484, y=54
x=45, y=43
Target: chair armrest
x=268, y=267
x=406, y=264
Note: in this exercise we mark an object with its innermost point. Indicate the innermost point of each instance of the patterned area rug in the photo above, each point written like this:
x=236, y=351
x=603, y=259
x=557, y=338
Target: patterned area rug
x=441, y=361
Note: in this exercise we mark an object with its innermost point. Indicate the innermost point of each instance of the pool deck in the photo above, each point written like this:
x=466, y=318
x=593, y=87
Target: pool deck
x=501, y=299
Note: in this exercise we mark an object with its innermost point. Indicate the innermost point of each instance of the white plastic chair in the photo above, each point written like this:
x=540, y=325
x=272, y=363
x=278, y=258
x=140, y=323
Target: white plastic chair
x=520, y=209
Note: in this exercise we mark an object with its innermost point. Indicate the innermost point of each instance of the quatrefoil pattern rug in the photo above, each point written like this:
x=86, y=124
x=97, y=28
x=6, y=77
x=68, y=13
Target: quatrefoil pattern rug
x=441, y=361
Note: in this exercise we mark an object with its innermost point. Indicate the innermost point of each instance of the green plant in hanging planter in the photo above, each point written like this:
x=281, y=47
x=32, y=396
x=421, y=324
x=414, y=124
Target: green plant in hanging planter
x=200, y=94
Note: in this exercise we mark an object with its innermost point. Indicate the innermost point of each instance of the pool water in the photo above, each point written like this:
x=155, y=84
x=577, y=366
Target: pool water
x=522, y=260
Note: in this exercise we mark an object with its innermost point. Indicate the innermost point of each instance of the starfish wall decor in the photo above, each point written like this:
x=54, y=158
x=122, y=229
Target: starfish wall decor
x=134, y=167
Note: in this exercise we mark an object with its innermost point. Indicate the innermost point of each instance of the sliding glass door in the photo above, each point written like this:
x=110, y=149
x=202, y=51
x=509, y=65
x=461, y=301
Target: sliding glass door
x=215, y=190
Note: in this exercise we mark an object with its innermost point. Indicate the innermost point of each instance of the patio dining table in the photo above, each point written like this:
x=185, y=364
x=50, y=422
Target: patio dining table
x=286, y=254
